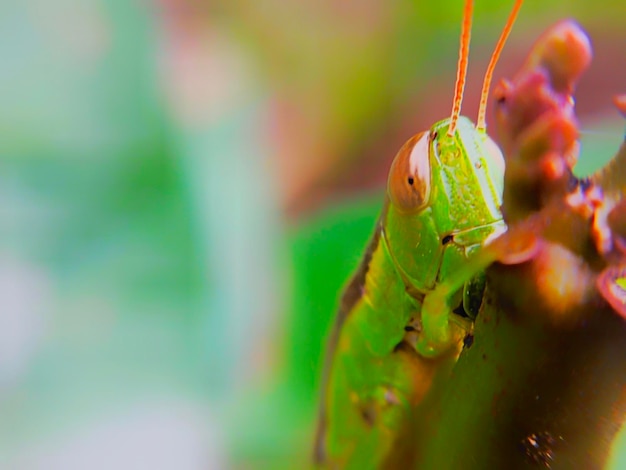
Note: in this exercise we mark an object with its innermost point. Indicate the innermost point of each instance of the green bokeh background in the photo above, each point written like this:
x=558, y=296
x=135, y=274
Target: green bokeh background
x=159, y=308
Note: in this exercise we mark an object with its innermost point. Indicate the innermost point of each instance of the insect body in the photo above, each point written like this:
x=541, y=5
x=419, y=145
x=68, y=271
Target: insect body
x=410, y=304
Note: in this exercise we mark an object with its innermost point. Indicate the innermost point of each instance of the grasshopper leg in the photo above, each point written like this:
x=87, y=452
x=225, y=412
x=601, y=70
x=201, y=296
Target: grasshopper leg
x=441, y=328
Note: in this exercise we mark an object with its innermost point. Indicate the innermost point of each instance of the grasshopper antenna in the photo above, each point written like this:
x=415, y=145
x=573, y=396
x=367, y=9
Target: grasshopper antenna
x=481, y=125
x=461, y=71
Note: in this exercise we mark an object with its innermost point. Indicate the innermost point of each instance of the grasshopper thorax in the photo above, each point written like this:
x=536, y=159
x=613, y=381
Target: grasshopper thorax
x=444, y=197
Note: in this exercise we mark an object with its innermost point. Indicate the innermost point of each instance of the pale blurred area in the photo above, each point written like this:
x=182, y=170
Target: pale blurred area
x=163, y=168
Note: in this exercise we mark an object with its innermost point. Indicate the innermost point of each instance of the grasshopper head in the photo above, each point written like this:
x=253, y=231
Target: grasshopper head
x=445, y=185
x=444, y=195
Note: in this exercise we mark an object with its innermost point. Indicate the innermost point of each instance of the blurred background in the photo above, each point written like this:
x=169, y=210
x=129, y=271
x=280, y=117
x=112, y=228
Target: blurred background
x=186, y=185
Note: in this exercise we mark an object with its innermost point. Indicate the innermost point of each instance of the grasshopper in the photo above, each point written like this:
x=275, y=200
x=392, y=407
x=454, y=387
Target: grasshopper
x=412, y=300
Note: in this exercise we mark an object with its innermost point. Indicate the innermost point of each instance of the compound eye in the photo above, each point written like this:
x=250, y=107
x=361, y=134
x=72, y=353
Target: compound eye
x=409, y=177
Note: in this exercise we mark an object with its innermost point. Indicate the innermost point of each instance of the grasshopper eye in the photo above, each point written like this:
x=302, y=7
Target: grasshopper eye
x=409, y=177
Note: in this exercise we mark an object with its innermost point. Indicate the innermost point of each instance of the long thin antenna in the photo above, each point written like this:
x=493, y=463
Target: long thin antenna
x=482, y=109
x=461, y=71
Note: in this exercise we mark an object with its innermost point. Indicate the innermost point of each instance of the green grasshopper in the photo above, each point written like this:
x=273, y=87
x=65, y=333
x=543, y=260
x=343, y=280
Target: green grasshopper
x=411, y=303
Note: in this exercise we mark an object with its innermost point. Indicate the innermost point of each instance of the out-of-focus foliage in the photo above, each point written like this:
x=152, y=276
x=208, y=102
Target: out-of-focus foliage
x=154, y=311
